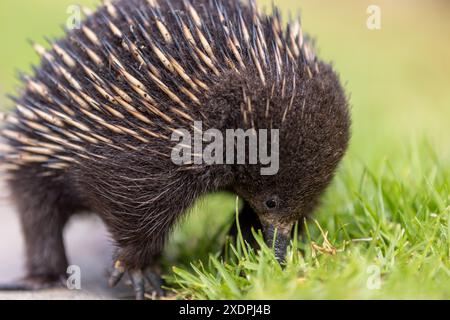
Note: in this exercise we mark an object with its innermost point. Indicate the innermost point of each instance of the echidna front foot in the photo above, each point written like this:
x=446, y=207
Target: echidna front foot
x=144, y=281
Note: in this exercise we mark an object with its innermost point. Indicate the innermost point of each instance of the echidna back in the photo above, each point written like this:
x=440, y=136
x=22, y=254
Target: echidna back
x=138, y=70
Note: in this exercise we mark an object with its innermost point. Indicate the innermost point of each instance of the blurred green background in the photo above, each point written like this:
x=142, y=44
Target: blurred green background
x=398, y=78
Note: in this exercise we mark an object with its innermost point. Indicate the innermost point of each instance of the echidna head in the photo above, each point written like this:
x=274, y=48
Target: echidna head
x=313, y=121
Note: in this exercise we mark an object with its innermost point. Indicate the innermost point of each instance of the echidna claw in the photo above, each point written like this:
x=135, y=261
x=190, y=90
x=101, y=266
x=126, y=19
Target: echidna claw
x=139, y=279
x=116, y=274
x=156, y=282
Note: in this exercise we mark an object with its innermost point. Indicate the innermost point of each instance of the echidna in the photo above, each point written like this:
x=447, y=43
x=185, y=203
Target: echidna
x=92, y=129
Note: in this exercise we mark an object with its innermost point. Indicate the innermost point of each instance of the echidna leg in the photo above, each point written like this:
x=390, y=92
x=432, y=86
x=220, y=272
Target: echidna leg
x=43, y=216
x=248, y=219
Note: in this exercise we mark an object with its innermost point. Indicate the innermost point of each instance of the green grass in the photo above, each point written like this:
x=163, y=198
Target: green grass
x=388, y=208
x=392, y=217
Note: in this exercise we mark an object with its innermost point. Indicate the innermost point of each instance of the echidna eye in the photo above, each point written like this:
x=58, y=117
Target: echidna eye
x=271, y=203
